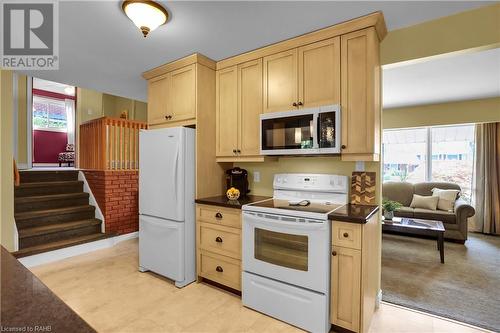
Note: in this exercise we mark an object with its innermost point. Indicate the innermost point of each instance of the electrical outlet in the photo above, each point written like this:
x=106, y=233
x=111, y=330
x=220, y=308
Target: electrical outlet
x=89, y=112
x=256, y=176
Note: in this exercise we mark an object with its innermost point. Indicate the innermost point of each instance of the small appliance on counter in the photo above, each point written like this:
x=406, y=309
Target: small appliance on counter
x=237, y=178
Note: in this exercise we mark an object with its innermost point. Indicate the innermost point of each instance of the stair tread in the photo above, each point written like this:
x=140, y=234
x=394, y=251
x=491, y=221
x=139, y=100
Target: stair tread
x=56, y=227
x=60, y=244
x=55, y=211
x=52, y=183
x=48, y=197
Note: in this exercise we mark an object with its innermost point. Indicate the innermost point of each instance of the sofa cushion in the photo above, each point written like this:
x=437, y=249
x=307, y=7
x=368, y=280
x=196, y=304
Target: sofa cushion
x=427, y=202
x=426, y=188
x=404, y=212
x=401, y=192
x=439, y=215
x=447, y=198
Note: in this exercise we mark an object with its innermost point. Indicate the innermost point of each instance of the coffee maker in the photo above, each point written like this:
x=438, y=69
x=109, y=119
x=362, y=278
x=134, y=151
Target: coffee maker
x=237, y=178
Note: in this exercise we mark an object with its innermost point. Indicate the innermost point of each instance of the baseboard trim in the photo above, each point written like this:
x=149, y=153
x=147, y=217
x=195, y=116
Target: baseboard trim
x=56, y=255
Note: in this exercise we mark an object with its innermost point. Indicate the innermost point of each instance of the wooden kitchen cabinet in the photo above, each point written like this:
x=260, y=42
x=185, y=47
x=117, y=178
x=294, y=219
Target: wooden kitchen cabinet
x=182, y=94
x=360, y=96
x=319, y=73
x=280, y=81
x=355, y=273
x=218, y=245
x=157, y=99
x=227, y=112
x=239, y=104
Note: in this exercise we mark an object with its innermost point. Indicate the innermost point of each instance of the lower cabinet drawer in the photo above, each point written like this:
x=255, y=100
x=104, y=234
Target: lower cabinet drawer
x=220, y=239
x=221, y=269
x=230, y=217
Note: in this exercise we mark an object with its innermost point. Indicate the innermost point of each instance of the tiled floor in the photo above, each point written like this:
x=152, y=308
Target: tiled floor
x=105, y=288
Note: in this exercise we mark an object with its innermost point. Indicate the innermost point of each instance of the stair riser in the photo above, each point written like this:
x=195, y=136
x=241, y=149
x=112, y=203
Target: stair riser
x=50, y=204
x=47, y=190
x=46, y=220
x=47, y=176
x=57, y=236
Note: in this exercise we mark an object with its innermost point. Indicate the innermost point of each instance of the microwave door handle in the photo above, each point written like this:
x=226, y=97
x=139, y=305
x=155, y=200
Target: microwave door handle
x=315, y=133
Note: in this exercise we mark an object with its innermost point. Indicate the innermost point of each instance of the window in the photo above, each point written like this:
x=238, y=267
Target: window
x=444, y=153
x=49, y=114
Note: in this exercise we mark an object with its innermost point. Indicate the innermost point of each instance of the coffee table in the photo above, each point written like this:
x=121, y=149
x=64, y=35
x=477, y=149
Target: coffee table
x=411, y=226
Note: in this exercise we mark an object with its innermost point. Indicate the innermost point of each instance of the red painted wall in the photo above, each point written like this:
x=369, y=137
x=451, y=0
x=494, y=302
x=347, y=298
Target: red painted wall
x=47, y=146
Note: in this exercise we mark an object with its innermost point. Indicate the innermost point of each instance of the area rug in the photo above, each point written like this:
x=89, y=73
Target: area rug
x=465, y=288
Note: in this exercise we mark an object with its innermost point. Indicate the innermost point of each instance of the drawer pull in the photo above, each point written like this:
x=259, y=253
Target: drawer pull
x=219, y=269
x=334, y=253
x=218, y=239
x=346, y=234
x=218, y=216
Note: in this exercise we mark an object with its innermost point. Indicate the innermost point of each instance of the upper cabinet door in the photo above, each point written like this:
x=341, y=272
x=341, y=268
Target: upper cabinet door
x=183, y=93
x=250, y=102
x=280, y=81
x=319, y=73
x=360, y=98
x=227, y=112
x=158, y=99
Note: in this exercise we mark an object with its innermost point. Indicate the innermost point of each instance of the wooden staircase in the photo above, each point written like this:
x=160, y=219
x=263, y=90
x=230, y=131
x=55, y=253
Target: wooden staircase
x=52, y=212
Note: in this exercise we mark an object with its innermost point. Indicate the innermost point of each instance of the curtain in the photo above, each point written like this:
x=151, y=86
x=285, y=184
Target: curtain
x=70, y=118
x=486, y=185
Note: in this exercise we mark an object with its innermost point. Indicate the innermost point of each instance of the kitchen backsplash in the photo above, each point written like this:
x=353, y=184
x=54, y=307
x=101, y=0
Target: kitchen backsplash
x=331, y=165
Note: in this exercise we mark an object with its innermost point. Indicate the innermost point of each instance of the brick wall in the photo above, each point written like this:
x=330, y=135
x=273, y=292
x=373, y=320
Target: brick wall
x=117, y=193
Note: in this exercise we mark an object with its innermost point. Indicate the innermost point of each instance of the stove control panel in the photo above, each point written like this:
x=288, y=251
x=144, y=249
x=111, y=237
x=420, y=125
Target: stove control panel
x=310, y=182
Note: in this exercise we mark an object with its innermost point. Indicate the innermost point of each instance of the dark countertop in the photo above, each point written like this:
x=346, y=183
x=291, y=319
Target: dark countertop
x=221, y=200
x=353, y=213
x=28, y=305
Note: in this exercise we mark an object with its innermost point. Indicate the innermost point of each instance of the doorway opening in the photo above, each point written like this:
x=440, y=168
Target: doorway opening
x=53, y=124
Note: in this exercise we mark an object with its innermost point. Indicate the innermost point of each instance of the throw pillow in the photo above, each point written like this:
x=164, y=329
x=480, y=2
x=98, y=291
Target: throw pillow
x=420, y=201
x=447, y=198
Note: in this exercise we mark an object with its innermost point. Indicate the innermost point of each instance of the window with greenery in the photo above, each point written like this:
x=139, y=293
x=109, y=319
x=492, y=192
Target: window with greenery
x=49, y=114
x=444, y=153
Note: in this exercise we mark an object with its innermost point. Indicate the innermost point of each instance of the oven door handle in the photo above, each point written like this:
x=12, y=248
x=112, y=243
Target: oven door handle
x=252, y=218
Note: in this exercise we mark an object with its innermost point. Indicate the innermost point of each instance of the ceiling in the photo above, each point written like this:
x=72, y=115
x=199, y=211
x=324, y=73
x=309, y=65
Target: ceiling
x=446, y=79
x=101, y=49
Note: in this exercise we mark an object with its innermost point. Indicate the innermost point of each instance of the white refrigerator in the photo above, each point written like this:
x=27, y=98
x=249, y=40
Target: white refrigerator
x=166, y=203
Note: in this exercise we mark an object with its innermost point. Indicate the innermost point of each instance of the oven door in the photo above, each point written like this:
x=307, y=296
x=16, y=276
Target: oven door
x=288, y=249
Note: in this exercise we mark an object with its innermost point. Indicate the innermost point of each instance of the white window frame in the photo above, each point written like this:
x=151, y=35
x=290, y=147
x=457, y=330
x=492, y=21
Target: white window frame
x=428, y=150
x=49, y=129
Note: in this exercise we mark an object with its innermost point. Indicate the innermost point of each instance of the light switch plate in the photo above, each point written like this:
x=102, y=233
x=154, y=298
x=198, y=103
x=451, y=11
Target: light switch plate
x=256, y=176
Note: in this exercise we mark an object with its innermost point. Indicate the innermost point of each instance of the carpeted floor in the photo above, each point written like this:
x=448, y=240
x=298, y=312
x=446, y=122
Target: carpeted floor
x=465, y=288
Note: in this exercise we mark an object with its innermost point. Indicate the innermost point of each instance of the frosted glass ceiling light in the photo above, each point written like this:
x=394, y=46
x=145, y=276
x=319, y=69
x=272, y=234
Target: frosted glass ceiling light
x=146, y=15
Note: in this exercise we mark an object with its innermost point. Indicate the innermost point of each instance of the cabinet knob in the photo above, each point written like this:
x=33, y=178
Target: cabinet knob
x=238, y=151
x=300, y=104
x=218, y=216
x=343, y=146
x=294, y=104
x=234, y=151
x=219, y=269
x=346, y=235
x=166, y=116
x=218, y=239
x=334, y=253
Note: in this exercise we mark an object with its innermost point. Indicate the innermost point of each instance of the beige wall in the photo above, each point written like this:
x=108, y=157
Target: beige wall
x=267, y=170
x=6, y=180
x=114, y=105
x=464, y=112
x=140, y=111
x=88, y=105
x=474, y=29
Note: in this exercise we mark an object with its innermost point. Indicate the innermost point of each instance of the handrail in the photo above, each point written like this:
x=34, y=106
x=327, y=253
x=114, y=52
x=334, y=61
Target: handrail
x=110, y=144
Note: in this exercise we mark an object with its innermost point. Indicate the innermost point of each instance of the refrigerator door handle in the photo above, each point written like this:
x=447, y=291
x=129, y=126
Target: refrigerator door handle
x=175, y=173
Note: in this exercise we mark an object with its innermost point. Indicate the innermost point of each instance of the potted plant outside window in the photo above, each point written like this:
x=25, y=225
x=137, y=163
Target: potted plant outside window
x=389, y=208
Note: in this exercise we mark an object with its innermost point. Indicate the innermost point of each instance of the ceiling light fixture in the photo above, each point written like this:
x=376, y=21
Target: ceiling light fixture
x=147, y=15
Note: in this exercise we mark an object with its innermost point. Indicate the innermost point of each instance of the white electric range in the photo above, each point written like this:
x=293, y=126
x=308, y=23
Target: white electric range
x=286, y=249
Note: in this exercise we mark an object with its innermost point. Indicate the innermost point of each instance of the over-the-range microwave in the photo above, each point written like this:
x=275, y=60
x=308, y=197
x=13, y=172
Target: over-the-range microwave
x=301, y=132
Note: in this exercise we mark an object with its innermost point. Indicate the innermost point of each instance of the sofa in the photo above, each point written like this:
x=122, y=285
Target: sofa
x=455, y=223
